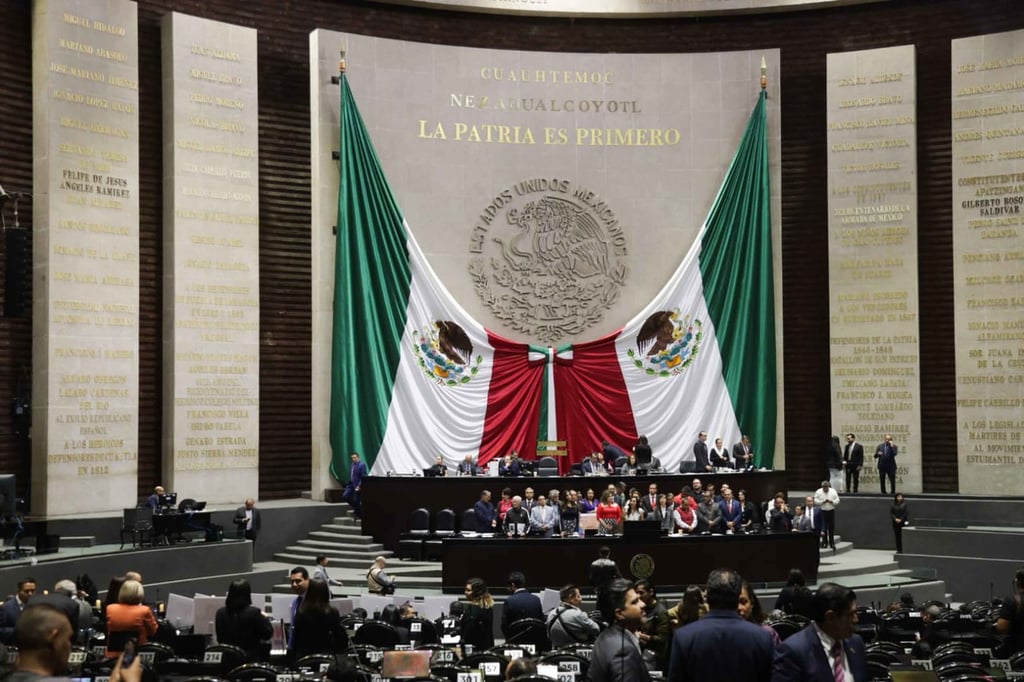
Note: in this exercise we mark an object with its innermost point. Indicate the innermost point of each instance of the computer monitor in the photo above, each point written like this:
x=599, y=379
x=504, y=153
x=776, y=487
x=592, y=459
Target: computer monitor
x=168, y=500
x=8, y=495
x=405, y=665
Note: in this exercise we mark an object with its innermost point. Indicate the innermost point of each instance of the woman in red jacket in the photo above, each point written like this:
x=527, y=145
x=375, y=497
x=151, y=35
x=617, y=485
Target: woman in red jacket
x=609, y=514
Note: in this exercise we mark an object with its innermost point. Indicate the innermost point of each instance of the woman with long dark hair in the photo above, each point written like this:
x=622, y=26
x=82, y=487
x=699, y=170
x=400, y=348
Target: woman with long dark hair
x=317, y=626
x=477, y=624
x=240, y=623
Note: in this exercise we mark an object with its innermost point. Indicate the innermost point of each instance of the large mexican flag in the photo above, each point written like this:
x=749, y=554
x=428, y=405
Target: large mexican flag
x=701, y=355
x=413, y=376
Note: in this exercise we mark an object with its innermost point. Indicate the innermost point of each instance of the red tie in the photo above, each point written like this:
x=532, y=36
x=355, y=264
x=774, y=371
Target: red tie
x=838, y=671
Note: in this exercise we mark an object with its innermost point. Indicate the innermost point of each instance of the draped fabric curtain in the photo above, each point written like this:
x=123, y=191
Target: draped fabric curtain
x=368, y=318
x=736, y=265
x=514, y=399
x=593, y=403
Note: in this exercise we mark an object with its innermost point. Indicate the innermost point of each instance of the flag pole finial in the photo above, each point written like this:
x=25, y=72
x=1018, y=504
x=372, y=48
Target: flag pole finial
x=764, y=74
x=341, y=60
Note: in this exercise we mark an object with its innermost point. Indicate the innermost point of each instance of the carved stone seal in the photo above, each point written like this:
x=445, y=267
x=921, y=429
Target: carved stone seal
x=549, y=258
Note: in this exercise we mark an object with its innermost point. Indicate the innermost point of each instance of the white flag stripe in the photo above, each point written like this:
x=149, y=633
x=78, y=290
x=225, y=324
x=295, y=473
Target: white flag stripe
x=672, y=411
x=425, y=418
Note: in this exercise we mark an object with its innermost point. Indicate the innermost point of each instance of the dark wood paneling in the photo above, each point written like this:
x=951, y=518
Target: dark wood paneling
x=805, y=37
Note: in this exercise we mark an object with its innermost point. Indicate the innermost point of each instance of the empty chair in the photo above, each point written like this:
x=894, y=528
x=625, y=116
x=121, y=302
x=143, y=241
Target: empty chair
x=314, y=664
x=492, y=664
x=886, y=658
x=877, y=672
x=947, y=657
x=377, y=634
x=467, y=521
x=444, y=526
x=410, y=543
x=889, y=647
x=448, y=672
x=547, y=466
x=367, y=655
x=255, y=672
x=529, y=631
x=224, y=657
x=137, y=523
x=568, y=660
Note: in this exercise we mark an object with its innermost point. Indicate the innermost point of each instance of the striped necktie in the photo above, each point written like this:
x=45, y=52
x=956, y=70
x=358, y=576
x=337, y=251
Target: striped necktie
x=838, y=671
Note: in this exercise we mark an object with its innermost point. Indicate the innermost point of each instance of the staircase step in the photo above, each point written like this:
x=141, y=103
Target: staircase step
x=334, y=553
x=340, y=548
x=77, y=540
x=335, y=536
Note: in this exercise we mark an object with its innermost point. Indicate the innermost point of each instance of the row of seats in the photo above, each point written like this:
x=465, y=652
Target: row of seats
x=222, y=661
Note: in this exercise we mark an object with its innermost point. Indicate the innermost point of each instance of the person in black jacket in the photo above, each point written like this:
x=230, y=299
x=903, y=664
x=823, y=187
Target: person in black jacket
x=616, y=655
x=520, y=604
x=317, y=625
x=240, y=623
x=477, y=624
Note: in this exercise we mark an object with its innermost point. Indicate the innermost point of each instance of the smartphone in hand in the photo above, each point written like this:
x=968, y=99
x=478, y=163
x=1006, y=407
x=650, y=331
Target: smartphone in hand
x=130, y=650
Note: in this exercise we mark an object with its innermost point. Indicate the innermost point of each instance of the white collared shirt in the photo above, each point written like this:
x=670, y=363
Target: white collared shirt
x=827, y=641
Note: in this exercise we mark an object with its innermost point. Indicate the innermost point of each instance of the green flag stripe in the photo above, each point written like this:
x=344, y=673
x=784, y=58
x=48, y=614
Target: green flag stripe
x=736, y=267
x=371, y=293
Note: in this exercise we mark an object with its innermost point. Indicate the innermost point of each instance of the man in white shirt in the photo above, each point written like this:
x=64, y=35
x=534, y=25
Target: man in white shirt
x=827, y=499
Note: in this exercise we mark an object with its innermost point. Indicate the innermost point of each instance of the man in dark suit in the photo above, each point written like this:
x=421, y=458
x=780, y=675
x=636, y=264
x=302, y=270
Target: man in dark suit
x=247, y=520
x=707, y=648
x=486, y=520
x=885, y=454
x=520, y=604
x=650, y=501
x=853, y=462
x=828, y=648
x=616, y=655
x=700, y=453
x=353, y=491
x=11, y=609
x=153, y=501
x=743, y=453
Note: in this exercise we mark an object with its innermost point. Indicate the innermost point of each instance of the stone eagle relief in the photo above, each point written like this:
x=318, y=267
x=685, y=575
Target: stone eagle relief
x=551, y=258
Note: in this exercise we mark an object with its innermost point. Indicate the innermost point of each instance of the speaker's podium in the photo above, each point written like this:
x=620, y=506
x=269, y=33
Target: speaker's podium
x=547, y=450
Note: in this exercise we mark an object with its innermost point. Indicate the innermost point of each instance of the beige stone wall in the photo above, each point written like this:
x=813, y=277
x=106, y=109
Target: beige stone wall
x=988, y=248
x=873, y=291
x=85, y=256
x=211, y=260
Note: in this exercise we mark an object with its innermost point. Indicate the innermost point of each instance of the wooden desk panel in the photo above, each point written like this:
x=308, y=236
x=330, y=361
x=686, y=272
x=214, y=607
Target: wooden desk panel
x=388, y=501
x=678, y=561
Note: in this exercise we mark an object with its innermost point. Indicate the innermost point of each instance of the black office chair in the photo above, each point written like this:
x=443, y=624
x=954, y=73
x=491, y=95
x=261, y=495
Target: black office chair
x=367, y=655
x=529, y=631
x=1017, y=662
x=967, y=657
x=155, y=652
x=492, y=664
x=315, y=664
x=886, y=658
x=377, y=634
x=568, y=660
x=877, y=672
x=786, y=628
x=444, y=526
x=957, y=671
x=423, y=633
x=547, y=466
x=255, y=672
x=410, y=543
x=137, y=522
x=225, y=657
x=467, y=522
x=448, y=672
